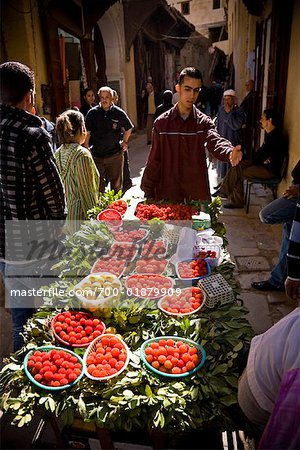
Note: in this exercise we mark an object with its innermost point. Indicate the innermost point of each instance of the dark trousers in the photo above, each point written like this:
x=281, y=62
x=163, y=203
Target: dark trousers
x=232, y=184
x=127, y=183
x=111, y=170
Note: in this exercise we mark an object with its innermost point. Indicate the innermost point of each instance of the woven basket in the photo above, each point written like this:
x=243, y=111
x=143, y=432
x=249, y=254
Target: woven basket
x=216, y=289
x=92, y=348
x=171, y=233
x=47, y=349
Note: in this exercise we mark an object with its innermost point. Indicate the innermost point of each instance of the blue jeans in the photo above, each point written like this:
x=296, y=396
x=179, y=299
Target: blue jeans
x=23, y=278
x=281, y=210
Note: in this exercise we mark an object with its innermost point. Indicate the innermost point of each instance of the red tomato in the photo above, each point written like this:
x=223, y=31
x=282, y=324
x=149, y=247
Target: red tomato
x=120, y=206
x=148, y=286
x=165, y=211
x=54, y=368
x=112, y=265
x=80, y=331
x=110, y=356
x=178, y=364
x=187, y=301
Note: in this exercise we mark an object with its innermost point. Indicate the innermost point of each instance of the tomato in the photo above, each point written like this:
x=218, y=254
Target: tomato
x=186, y=302
x=80, y=331
x=194, y=268
x=120, y=206
x=57, y=368
x=176, y=362
x=148, y=285
x=110, y=355
x=165, y=211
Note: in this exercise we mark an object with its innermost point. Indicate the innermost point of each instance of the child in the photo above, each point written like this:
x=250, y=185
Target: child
x=76, y=166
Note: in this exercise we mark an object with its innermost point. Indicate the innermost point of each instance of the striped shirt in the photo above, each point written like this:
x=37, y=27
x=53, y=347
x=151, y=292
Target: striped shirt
x=30, y=186
x=81, y=180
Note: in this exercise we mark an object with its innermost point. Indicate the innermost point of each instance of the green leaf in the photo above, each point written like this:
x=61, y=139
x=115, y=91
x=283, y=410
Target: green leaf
x=134, y=319
x=166, y=402
x=238, y=347
x=148, y=391
x=229, y=400
x=16, y=405
x=194, y=392
x=222, y=368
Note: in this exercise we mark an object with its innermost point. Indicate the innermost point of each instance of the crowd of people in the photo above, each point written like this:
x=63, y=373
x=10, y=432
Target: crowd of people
x=40, y=184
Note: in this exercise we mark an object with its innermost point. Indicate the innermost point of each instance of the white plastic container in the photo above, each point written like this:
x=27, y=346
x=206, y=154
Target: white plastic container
x=98, y=290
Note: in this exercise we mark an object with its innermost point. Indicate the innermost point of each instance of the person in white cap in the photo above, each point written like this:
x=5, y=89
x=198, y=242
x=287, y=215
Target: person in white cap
x=229, y=121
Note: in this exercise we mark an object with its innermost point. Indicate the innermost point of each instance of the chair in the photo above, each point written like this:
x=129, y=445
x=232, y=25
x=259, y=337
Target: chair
x=271, y=183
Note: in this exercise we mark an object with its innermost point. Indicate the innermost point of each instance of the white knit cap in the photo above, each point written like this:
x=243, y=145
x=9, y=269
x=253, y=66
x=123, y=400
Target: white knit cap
x=229, y=92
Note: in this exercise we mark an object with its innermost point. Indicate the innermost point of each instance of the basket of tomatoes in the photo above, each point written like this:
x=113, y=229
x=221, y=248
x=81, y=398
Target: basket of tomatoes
x=53, y=368
x=120, y=206
x=131, y=235
x=188, y=301
x=192, y=269
x=148, y=285
x=157, y=266
x=172, y=356
x=106, y=357
x=76, y=328
x=112, y=265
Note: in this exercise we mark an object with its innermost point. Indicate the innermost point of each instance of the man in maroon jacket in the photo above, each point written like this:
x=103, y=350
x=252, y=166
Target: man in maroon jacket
x=176, y=169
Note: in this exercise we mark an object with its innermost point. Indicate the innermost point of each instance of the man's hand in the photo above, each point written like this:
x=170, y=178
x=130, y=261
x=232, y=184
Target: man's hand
x=236, y=155
x=292, y=289
x=124, y=145
x=292, y=191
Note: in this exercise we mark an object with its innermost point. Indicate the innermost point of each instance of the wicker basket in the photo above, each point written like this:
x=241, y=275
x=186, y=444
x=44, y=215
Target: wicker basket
x=216, y=289
x=92, y=348
x=47, y=349
x=171, y=233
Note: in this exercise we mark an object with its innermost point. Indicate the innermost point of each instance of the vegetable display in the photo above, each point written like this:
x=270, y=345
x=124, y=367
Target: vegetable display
x=135, y=396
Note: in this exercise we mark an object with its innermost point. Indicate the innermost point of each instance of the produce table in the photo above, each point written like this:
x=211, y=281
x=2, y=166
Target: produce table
x=137, y=398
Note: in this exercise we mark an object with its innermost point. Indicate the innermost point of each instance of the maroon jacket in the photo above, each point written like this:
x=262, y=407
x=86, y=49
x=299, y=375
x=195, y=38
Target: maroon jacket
x=176, y=169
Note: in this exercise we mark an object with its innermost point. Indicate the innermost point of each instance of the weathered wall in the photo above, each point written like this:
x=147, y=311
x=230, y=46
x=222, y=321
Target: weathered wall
x=23, y=40
x=130, y=87
x=292, y=108
x=202, y=15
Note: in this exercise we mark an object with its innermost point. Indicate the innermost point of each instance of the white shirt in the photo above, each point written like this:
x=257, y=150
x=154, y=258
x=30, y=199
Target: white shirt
x=271, y=355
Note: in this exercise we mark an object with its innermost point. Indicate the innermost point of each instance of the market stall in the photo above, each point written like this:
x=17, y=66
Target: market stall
x=159, y=297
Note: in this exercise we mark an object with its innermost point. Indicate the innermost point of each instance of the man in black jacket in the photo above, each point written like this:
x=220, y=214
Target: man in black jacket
x=266, y=164
x=109, y=127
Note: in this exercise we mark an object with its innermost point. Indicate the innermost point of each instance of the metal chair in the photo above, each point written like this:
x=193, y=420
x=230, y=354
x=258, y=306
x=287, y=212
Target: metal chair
x=271, y=183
